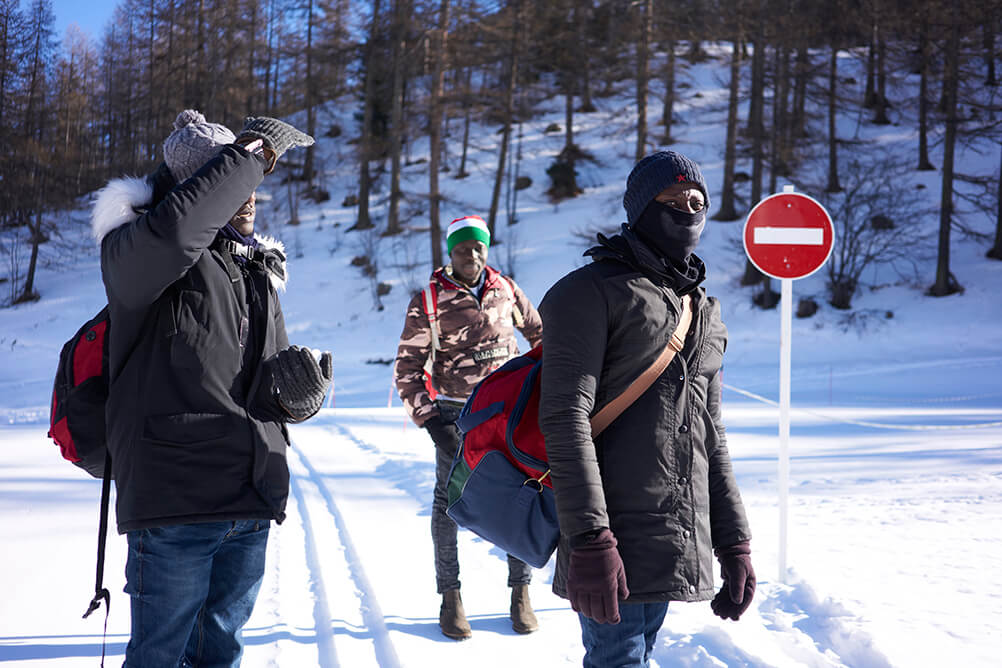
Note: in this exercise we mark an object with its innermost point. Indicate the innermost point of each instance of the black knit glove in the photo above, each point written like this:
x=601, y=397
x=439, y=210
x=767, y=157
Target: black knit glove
x=739, y=581
x=301, y=383
x=277, y=136
x=444, y=434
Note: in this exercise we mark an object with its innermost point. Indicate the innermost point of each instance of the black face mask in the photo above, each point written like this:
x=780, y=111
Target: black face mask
x=670, y=232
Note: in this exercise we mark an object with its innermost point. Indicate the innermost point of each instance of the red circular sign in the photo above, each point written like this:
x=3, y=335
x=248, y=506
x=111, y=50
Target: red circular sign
x=788, y=235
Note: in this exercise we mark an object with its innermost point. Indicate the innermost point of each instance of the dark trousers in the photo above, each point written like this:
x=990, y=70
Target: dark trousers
x=443, y=529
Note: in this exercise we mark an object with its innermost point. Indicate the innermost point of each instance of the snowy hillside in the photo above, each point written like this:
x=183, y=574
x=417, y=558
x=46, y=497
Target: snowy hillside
x=895, y=537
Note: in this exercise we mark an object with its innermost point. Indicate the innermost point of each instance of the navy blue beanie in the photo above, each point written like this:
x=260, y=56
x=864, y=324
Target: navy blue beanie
x=653, y=174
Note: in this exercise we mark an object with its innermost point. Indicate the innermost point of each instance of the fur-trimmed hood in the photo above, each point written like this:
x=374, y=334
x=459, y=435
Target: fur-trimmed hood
x=123, y=200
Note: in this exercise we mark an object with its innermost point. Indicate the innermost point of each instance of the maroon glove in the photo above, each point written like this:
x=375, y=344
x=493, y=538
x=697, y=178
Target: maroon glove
x=596, y=579
x=739, y=581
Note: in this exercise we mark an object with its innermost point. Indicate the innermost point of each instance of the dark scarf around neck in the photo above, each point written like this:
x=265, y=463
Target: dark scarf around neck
x=627, y=247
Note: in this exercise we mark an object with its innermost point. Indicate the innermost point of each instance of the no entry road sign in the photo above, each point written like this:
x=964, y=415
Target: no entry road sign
x=788, y=235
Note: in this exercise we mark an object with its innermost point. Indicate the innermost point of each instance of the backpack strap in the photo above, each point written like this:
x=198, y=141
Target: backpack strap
x=516, y=313
x=272, y=259
x=429, y=298
x=100, y=592
x=676, y=342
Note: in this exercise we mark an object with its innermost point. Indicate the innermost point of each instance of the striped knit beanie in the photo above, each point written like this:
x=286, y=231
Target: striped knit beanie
x=653, y=174
x=466, y=228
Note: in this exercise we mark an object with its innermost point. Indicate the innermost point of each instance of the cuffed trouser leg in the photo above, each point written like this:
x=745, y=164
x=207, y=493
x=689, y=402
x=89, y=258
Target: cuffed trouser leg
x=519, y=572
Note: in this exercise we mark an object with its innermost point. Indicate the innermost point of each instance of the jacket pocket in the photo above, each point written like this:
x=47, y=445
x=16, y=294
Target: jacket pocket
x=186, y=428
x=190, y=343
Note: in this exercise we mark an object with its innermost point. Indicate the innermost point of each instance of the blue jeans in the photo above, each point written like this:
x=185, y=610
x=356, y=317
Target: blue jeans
x=193, y=587
x=628, y=643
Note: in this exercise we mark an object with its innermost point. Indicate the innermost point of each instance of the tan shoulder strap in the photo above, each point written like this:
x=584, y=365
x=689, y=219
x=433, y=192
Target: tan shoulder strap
x=614, y=408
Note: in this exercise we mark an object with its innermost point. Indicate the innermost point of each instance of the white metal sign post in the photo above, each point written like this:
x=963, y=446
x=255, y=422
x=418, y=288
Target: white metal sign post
x=787, y=236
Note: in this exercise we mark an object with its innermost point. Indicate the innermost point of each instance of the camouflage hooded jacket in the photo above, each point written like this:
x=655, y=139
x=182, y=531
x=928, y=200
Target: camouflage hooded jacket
x=476, y=337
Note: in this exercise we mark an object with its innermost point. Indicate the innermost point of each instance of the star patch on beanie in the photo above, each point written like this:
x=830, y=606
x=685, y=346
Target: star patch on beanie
x=466, y=228
x=653, y=174
x=193, y=143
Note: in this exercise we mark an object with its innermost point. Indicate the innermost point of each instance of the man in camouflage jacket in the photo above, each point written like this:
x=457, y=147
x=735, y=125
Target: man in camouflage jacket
x=474, y=311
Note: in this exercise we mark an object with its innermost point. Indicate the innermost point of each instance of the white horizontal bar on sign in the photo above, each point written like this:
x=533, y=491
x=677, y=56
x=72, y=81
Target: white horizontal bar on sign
x=789, y=236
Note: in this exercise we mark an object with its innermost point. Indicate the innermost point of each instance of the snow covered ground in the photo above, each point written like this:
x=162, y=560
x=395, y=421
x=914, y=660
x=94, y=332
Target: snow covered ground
x=895, y=530
x=895, y=549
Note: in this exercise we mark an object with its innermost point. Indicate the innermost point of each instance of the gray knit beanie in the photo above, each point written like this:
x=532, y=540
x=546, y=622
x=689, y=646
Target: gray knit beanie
x=653, y=174
x=193, y=143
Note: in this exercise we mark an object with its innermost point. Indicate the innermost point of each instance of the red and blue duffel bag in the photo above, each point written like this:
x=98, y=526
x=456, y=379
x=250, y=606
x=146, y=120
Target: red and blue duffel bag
x=499, y=486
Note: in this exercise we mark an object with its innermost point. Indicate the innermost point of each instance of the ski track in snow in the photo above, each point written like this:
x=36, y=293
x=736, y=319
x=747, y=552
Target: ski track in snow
x=326, y=652
x=372, y=615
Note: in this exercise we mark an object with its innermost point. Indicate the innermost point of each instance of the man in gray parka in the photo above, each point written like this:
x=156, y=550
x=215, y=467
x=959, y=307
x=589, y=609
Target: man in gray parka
x=643, y=506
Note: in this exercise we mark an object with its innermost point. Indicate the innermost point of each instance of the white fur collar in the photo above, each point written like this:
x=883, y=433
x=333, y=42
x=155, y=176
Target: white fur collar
x=271, y=243
x=115, y=205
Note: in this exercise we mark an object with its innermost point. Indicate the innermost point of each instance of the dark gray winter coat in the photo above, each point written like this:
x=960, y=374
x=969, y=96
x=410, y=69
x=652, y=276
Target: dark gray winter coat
x=193, y=429
x=659, y=476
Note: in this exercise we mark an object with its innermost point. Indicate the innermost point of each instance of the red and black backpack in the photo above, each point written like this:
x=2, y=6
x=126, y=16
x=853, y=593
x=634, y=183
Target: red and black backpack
x=79, y=394
x=77, y=424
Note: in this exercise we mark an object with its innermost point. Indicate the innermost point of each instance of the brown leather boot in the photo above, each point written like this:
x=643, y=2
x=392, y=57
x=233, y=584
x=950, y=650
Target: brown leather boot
x=523, y=619
x=452, y=617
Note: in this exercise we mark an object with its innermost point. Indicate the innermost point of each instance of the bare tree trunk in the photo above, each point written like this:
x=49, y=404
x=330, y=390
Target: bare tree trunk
x=364, y=222
x=252, y=89
x=881, y=116
x=569, y=112
x=170, y=96
x=756, y=113
x=996, y=251
x=269, y=78
x=467, y=113
x=668, y=111
x=870, y=96
x=643, y=59
x=508, y=113
x=989, y=28
x=397, y=115
x=833, y=182
x=311, y=101
x=946, y=283
x=151, y=107
x=778, y=159
x=766, y=298
x=924, y=164
x=435, y=130
x=799, y=120
x=582, y=13
x=28, y=294
x=200, y=57
x=727, y=210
